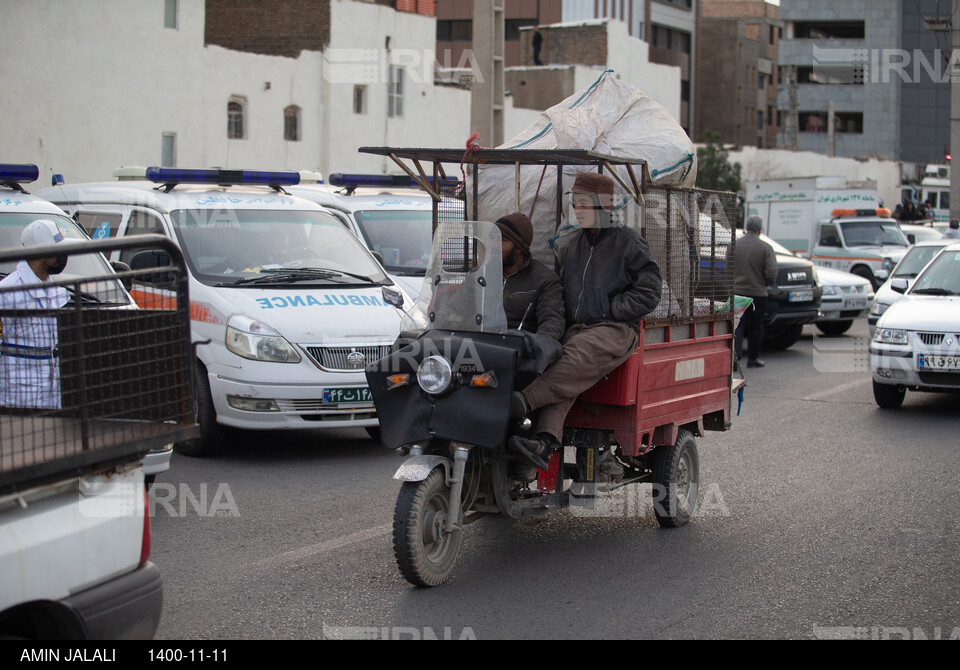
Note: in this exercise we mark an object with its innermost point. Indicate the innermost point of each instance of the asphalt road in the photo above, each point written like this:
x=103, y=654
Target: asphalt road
x=821, y=516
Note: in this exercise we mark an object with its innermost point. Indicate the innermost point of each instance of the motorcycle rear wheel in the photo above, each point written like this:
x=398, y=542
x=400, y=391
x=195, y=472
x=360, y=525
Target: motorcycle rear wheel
x=676, y=477
x=426, y=553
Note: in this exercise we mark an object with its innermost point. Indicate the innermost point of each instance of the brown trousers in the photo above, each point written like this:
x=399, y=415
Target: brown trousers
x=589, y=353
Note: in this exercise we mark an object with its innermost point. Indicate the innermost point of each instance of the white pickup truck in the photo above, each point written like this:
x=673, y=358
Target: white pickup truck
x=115, y=384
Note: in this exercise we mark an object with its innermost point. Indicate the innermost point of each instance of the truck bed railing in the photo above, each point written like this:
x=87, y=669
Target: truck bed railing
x=108, y=381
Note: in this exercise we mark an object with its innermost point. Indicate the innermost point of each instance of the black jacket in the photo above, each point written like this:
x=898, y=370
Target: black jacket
x=610, y=276
x=535, y=283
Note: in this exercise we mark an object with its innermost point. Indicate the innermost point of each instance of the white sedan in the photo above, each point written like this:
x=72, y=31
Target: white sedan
x=916, y=344
x=908, y=268
x=846, y=296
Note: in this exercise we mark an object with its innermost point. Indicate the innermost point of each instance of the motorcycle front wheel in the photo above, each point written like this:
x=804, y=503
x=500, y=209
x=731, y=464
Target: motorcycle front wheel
x=425, y=551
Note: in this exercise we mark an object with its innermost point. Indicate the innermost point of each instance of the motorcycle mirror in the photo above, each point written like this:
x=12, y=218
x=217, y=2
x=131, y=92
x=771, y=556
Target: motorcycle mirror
x=392, y=296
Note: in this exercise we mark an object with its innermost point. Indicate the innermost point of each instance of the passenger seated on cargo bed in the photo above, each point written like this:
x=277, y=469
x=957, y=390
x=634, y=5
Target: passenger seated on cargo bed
x=610, y=282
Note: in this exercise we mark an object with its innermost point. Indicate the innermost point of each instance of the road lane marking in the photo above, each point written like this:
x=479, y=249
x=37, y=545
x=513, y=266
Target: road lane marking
x=835, y=391
x=325, y=546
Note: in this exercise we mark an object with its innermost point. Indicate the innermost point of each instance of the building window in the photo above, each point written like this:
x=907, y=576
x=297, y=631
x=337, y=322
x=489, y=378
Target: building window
x=291, y=124
x=670, y=39
x=759, y=120
x=454, y=31
x=171, y=13
x=168, y=150
x=359, y=99
x=235, y=120
x=829, y=30
x=844, y=122
x=831, y=74
x=395, y=92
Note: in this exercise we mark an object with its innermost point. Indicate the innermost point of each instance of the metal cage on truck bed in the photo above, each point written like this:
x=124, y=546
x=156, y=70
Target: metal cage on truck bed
x=97, y=380
x=689, y=231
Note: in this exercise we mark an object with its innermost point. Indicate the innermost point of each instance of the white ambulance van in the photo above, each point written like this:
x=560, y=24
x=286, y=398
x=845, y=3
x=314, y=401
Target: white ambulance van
x=285, y=302
x=388, y=214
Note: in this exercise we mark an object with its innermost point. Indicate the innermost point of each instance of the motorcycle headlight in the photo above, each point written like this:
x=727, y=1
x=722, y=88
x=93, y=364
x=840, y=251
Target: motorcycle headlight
x=435, y=374
x=258, y=342
x=890, y=336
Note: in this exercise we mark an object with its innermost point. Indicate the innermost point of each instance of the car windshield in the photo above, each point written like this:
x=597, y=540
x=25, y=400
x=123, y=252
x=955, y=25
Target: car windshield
x=403, y=237
x=82, y=266
x=941, y=277
x=915, y=260
x=244, y=246
x=873, y=233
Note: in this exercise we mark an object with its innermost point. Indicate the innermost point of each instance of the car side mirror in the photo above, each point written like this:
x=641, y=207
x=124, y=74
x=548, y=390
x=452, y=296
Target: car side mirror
x=153, y=258
x=392, y=296
x=123, y=269
x=899, y=285
x=911, y=238
x=379, y=257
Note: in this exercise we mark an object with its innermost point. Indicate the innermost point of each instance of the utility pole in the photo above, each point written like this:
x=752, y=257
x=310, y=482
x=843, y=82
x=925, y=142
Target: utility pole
x=793, y=121
x=831, y=130
x=954, y=110
x=486, y=91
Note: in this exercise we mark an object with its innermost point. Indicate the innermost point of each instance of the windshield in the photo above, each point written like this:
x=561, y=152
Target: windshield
x=915, y=260
x=244, y=246
x=78, y=266
x=942, y=276
x=464, y=287
x=873, y=233
x=403, y=237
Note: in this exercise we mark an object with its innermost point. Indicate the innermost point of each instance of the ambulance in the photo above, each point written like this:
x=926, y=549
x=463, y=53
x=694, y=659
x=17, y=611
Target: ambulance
x=286, y=304
x=392, y=218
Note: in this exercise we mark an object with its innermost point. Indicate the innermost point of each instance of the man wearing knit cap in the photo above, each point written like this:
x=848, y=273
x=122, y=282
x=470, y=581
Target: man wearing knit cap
x=532, y=293
x=610, y=282
x=533, y=302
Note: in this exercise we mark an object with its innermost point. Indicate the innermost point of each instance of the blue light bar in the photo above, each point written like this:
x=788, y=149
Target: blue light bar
x=18, y=173
x=220, y=177
x=383, y=180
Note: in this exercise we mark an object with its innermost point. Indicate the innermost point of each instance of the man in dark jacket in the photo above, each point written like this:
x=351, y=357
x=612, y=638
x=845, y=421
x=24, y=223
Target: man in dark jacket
x=610, y=283
x=532, y=293
x=755, y=268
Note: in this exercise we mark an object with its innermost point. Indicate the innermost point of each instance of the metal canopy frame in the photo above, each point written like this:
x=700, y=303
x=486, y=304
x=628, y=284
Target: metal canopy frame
x=519, y=157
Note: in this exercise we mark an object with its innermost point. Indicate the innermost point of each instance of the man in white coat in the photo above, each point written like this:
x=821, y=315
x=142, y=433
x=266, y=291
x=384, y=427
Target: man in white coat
x=29, y=366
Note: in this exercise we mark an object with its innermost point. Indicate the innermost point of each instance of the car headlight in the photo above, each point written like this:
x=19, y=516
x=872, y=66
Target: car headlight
x=258, y=342
x=887, y=264
x=878, y=308
x=831, y=290
x=435, y=374
x=890, y=336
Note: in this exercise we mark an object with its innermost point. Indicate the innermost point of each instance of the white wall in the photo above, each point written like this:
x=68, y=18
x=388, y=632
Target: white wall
x=104, y=80
x=90, y=85
x=761, y=164
x=629, y=57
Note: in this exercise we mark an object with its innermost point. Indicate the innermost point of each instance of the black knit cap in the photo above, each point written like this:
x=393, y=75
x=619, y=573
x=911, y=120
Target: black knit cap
x=517, y=228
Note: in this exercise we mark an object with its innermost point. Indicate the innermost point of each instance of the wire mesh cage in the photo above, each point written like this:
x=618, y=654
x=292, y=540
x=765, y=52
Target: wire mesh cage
x=691, y=234
x=87, y=375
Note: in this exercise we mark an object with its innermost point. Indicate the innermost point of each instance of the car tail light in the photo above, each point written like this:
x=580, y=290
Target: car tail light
x=145, y=543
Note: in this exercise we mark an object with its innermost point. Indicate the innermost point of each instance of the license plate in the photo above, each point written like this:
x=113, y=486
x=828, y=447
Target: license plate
x=800, y=296
x=855, y=304
x=938, y=363
x=348, y=394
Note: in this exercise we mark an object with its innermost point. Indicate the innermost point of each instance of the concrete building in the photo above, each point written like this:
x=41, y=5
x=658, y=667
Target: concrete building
x=883, y=67
x=667, y=26
x=738, y=82
x=270, y=84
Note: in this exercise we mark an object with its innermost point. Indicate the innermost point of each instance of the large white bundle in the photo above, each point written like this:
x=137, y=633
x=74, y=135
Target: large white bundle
x=610, y=117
